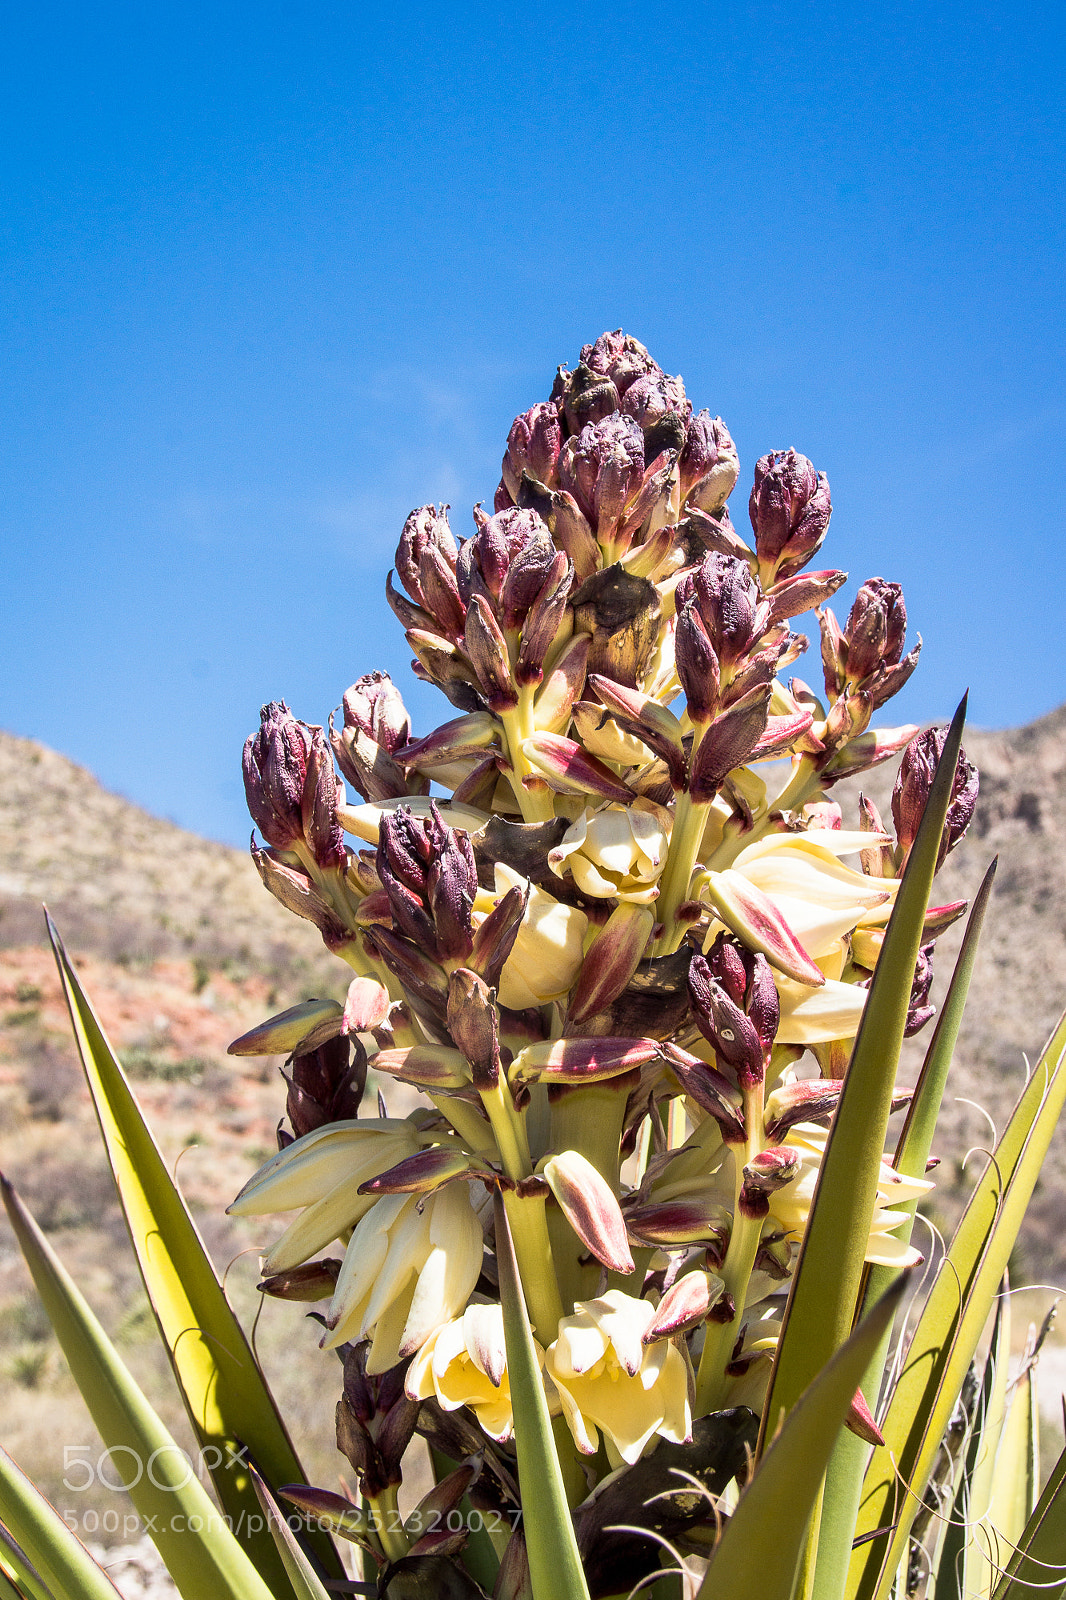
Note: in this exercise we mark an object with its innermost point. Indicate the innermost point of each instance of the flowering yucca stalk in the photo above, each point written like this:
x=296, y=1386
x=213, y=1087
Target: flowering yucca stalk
x=629, y=1264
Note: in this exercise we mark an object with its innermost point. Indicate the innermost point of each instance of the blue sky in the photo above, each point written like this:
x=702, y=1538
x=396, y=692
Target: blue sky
x=272, y=275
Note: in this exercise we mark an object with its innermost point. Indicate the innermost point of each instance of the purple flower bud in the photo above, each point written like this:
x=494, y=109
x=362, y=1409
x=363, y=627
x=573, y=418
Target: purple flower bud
x=789, y=509
x=474, y=1024
x=661, y=408
x=322, y=794
x=736, y=1006
x=375, y=706
x=425, y=562
x=533, y=446
x=487, y=651
x=376, y=725
x=710, y=465
x=772, y=1169
x=919, y=1010
x=506, y=562
x=602, y=468
x=697, y=663
x=275, y=770
x=910, y=796
x=588, y=397
x=728, y=601
x=875, y=630
x=325, y=1085
x=451, y=884
x=621, y=358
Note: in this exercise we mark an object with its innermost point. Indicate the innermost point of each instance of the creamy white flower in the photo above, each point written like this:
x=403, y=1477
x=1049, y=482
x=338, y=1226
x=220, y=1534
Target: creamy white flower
x=320, y=1174
x=410, y=1266
x=465, y=1364
x=615, y=853
x=549, y=949
x=608, y=1379
x=819, y=897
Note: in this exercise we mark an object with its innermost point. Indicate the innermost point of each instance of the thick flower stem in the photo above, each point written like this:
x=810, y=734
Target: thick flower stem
x=387, y=1524
x=525, y=1213
x=685, y=838
x=536, y=802
x=720, y=1337
x=536, y=1267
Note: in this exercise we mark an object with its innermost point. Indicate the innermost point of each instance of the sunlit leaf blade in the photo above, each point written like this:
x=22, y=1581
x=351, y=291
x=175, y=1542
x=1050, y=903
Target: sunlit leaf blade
x=760, y=1548
x=169, y=1498
x=1038, y=1566
x=554, y=1563
x=946, y=1335
x=1013, y=1487
x=843, y=1483
x=976, y=1566
x=50, y=1551
x=958, y=1545
x=825, y=1287
x=227, y=1398
x=305, y=1581
x=21, y=1578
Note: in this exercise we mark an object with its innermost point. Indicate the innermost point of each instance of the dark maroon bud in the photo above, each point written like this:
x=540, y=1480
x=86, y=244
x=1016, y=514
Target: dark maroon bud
x=326, y=1085
x=724, y=1025
x=875, y=630
x=728, y=742
x=710, y=465
x=602, y=468
x=376, y=725
x=451, y=884
x=589, y=397
x=789, y=509
x=659, y=405
x=425, y=531
x=910, y=795
x=533, y=446
x=543, y=621
x=697, y=663
x=322, y=794
x=728, y=599
x=485, y=560
x=402, y=865
x=728, y=964
x=375, y=706
x=919, y=1010
x=530, y=569
x=772, y=1169
x=619, y=357
x=474, y=1024
x=487, y=650
x=275, y=771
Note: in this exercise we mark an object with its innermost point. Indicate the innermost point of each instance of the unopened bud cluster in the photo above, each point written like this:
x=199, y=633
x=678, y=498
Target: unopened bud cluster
x=619, y=956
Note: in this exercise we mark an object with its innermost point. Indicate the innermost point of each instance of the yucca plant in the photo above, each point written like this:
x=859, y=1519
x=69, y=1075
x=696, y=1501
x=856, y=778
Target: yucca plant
x=631, y=1266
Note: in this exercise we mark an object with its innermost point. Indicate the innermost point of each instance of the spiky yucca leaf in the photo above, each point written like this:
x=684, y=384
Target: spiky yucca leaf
x=227, y=1398
x=45, y=1557
x=949, y=1327
x=169, y=1498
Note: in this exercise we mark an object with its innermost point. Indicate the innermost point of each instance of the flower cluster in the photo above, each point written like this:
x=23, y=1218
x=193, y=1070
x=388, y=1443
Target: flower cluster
x=621, y=954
